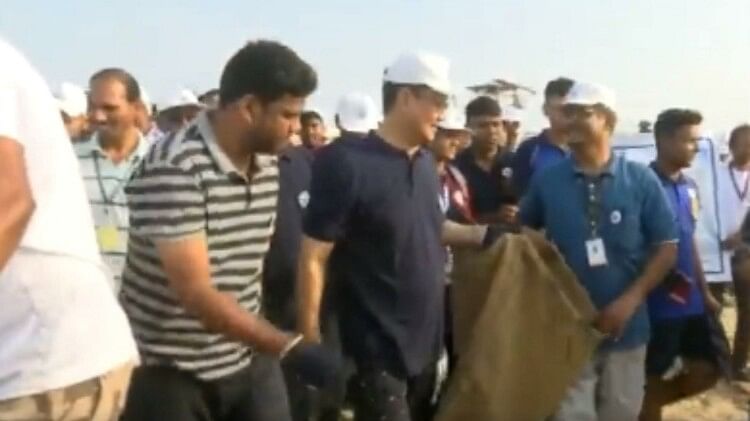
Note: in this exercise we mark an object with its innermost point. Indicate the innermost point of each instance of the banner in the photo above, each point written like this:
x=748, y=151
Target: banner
x=641, y=148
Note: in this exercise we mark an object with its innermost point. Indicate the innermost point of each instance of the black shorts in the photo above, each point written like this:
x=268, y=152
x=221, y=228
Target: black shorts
x=698, y=337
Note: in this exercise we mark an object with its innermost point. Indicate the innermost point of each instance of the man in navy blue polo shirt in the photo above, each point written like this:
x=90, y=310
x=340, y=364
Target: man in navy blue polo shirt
x=279, y=282
x=550, y=146
x=486, y=165
x=612, y=223
x=375, y=222
x=682, y=360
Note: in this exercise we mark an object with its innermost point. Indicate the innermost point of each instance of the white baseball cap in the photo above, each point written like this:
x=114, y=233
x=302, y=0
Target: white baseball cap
x=453, y=120
x=72, y=100
x=146, y=101
x=420, y=68
x=512, y=114
x=585, y=93
x=184, y=98
x=357, y=113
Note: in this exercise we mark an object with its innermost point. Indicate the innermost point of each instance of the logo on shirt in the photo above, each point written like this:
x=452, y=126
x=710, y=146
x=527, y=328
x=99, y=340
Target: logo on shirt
x=615, y=217
x=507, y=172
x=303, y=199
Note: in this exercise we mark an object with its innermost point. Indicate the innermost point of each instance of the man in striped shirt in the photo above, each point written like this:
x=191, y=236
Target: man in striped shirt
x=202, y=210
x=108, y=159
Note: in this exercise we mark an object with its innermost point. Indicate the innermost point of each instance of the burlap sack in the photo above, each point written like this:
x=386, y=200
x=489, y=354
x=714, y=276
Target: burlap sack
x=522, y=327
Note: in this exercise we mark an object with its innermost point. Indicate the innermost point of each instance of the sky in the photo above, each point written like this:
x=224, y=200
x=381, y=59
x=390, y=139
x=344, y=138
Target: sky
x=654, y=54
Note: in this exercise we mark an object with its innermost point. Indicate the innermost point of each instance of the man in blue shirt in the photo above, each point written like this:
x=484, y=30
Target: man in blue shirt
x=611, y=222
x=682, y=359
x=486, y=165
x=374, y=221
x=550, y=146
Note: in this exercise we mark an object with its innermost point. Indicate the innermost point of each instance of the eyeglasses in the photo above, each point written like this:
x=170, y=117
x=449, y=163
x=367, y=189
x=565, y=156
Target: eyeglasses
x=578, y=111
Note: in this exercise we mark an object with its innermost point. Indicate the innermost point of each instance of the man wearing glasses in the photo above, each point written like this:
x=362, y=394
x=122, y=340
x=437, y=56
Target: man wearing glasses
x=611, y=221
x=375, y=221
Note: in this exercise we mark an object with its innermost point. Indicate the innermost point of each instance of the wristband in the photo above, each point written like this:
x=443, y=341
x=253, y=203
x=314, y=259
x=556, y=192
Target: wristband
x=289, y=346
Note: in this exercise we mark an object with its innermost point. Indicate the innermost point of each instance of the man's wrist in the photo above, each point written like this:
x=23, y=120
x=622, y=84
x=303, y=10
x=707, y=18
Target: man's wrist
x=293, y=342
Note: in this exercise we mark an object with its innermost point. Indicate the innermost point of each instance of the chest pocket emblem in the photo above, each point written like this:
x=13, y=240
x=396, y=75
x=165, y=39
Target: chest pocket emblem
x=303, y=199
x=615, y=217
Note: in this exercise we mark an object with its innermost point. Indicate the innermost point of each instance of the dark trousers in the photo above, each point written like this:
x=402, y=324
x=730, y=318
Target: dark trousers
x=742, y=333
x=308, y=404
x=381, y=396
x=255, y=393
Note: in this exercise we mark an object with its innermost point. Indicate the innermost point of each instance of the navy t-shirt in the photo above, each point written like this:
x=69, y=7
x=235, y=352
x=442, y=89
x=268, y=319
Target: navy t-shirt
x=382, y=209
x=488, y=190
x=280, y=267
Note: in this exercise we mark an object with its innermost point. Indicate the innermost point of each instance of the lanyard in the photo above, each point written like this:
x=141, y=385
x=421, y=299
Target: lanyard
x=593, y=204
x=109, y=199
x=741, y=194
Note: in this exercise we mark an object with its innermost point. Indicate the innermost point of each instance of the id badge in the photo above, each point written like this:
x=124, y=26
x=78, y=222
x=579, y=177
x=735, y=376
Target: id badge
x=596, y=253
x=108, y=237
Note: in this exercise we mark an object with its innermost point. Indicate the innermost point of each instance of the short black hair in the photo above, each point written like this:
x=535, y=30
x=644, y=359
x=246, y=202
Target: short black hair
x=558, y=87
x=483, y=106
x=306, y=116
x=268, y=70
x=737, y=132
x=132, y=88
x=671, y=120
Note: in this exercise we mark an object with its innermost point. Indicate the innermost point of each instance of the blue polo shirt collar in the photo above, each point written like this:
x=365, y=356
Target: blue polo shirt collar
x=608, y=170
x=545, y=139
x=681, y=179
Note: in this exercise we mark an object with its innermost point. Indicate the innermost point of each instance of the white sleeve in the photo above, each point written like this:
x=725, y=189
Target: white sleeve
x=9, y=113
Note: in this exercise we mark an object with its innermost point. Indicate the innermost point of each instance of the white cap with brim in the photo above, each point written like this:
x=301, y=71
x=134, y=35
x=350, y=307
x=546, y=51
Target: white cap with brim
x=453, y=120
x=512, y=115
x=72, y=100
x=184, y=98
x=588, y=94
x=420, y=68
x=146, y=101
x=357, y=113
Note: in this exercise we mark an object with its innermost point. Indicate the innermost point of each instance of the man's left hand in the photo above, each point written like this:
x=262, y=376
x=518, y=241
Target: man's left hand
x=614, y=318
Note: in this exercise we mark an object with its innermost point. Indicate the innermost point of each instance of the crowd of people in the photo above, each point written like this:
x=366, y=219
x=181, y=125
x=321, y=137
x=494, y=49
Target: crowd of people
x=221, y=259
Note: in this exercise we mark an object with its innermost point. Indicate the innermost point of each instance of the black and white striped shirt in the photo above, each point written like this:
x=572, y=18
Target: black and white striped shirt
x=187, y=186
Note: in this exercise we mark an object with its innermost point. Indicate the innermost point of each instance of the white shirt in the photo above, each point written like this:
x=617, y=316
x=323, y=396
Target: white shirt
x=60, y=322
x=734, y=198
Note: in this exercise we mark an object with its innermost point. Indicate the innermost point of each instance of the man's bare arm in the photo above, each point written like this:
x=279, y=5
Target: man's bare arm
x=613, y=319
x=700, y=274
x=186, y=263
x=311, y=270
x=660, y=263
x=16, y=200
x=460, y=235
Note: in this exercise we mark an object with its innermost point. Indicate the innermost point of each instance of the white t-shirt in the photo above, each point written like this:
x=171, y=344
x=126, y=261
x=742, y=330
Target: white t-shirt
x=734, y=198
x=60, y=321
